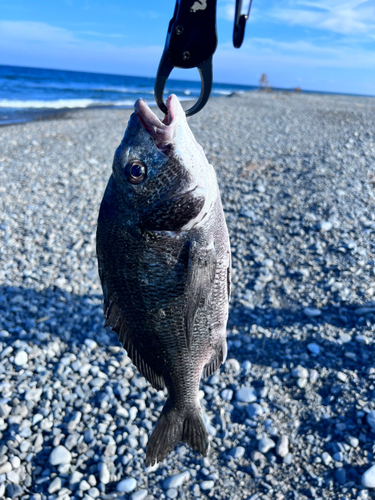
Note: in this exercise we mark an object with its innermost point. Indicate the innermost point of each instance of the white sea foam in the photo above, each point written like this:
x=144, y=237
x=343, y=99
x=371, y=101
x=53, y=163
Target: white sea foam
x=56, y=104
x=68, y=103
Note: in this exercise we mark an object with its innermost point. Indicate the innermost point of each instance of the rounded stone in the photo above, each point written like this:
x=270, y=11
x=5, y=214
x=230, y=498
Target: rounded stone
x=139, y=495
x=60, y=456
x=265, y=444
x=16, y=462
x=21, y=358
x=171, y=493
x=325, y=226
x=104, y=475
x=75, y=479
x=227, y=394
x=176, y=480
x=237, y=452
x=54, y=486
x=254, y=410
x=207, y=485
x=127, y=485
x=368, y=478
x=300, y=372
x=340, y=475
x=282, y=447
x=371, y=419
x=313, y=348
x=246, y=395
x=352, y=441
x=312, y=312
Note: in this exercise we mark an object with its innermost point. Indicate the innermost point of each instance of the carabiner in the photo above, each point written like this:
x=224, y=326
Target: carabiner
x=240, y=24
x=191, y=42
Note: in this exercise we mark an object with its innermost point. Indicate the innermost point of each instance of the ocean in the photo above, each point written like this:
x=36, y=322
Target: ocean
x=30, y=93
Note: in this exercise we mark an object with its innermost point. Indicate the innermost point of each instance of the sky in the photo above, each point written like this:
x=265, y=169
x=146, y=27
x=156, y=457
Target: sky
x=323, y=45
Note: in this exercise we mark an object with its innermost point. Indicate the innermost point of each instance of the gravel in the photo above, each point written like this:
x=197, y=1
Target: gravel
x=297, y=177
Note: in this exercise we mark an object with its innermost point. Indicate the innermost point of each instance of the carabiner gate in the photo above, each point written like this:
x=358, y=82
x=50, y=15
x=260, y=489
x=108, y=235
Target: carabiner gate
x=240, y=24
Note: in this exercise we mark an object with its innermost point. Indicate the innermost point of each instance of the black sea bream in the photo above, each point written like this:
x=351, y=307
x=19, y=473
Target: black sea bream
x=164, y=263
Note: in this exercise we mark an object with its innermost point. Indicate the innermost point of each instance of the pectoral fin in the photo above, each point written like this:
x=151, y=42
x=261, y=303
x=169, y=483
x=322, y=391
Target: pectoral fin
x=200, y=277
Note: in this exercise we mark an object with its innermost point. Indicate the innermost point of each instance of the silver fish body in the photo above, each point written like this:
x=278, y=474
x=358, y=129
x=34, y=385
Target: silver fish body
x=164, y=263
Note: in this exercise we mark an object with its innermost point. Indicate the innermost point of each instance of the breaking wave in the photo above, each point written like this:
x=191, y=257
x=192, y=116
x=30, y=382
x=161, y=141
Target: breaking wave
x=59, y=103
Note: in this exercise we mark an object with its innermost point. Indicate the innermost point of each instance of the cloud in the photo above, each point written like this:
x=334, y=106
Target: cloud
x=34, y=32
x=26, y=43
x=357, y=17
x=103, y=35
x=275, y=53
x=225, y=10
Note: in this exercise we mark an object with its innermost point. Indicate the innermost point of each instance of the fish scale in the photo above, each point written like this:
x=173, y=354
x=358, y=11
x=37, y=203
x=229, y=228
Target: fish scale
x=164, y=263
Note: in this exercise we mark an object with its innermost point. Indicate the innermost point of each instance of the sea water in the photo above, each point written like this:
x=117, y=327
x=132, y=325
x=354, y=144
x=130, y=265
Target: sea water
x=30, y=93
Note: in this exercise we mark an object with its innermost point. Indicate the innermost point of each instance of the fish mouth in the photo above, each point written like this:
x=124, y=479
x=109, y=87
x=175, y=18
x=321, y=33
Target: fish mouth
x=163, y=132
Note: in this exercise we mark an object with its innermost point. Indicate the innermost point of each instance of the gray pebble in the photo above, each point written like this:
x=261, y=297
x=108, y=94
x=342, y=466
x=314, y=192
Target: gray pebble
x=325, y=226
x=254, y=410
x=227, y=394
x=5, y=468
x=171, y=493
x=370, y=419
x=368, y=478
x=237, y=452
x=313, y=348
x=21, y=358
x=207, y=485
x=288, y=459
x=139, y=495
x=246, y=395
x=84, y=486
x=312, y=312
x=326, y=457
x=60, y=456
x=104, y=475
x=282, y=446
x=126, y=485
x=55, y=485
x=33, y=395
x=300, y=372
x=75, y=479
x=302, y=382
x=265, y=444
x=340, y=475
x=176, y=480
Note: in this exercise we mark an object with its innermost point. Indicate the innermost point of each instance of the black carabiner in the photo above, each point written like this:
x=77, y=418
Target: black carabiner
x=191, y=42
x=240, y=24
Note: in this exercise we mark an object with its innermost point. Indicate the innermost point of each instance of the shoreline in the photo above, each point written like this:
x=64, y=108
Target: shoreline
x=56, y=114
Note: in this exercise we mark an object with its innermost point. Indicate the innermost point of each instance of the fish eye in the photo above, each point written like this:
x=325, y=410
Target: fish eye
x=135, y=172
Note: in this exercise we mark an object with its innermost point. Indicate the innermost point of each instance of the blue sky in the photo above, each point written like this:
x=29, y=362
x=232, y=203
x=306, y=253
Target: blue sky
x=326, y=45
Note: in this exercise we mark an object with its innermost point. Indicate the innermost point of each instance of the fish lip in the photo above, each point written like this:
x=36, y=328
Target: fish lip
x=163, y=132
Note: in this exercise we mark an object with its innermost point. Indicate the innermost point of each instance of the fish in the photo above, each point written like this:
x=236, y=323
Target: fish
x=164, y=263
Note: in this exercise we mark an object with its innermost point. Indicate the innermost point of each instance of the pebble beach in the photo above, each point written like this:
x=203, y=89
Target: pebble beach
x=291, y=413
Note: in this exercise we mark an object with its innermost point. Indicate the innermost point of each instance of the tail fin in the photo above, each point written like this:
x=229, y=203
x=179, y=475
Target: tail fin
x=174, y=426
